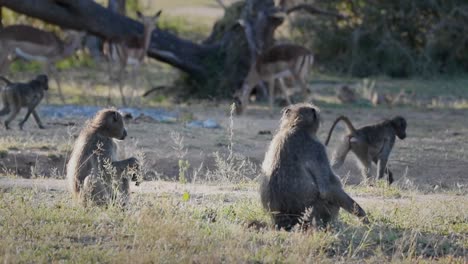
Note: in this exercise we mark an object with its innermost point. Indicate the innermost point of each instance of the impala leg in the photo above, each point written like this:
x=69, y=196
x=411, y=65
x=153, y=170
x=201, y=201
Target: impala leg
x=54, y=72
x=284, y=90
x=122, y=95
x=271, y=95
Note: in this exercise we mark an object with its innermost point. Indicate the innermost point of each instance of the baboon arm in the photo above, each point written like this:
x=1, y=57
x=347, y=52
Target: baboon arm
x=121, y=165
x=350, y=205
x=321, y=172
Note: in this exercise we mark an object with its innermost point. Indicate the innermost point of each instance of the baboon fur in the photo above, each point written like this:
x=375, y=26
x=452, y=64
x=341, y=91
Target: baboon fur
x=18, y=95
x=94, y=174
x=297, y=173
x=371, y=144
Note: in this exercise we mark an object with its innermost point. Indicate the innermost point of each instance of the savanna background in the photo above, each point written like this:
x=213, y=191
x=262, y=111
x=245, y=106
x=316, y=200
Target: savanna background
x=201, y=181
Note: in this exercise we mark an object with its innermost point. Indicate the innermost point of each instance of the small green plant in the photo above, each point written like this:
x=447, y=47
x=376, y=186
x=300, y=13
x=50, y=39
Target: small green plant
x=184, y=165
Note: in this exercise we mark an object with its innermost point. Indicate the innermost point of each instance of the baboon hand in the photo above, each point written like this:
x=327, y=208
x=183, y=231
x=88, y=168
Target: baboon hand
x=133, y=163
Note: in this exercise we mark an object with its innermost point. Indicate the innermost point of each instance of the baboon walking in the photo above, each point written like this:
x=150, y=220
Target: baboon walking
x=372, y=143
x=18, y=95
x=298, y=176
x=94, y=174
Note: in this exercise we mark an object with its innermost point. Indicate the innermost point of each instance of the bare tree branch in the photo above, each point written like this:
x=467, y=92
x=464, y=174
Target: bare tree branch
x=313, y=11
x=220, y=2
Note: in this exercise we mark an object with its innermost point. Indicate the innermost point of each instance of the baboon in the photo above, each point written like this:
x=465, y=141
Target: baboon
x=93, y=173
x=381, y=99
x=371, y=143
x=297, y=173
x=346, y=95
x=18, y=95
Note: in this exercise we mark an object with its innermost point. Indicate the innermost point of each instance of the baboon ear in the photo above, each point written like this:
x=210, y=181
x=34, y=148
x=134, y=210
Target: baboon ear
x=115, y=116
x=286, y=110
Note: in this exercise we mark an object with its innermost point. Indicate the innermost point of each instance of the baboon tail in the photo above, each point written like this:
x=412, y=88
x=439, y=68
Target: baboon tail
x=348, y=124
x=5, y=80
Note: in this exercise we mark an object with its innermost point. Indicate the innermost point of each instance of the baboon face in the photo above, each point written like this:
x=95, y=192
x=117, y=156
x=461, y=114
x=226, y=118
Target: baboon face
x=43, y=81
x=399, y=124
x=302, y=115
x=111, y=124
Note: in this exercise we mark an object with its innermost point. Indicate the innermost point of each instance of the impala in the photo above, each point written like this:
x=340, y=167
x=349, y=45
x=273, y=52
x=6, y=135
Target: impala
x=279, y=62
x=133, y=56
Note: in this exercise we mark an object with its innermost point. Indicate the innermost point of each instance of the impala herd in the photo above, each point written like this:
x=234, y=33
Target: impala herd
x=280, y=62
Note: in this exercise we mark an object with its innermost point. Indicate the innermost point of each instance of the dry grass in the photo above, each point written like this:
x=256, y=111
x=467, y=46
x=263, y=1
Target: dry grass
x=38, y=226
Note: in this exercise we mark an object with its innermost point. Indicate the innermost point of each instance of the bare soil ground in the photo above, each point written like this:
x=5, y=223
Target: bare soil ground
x=434, y=155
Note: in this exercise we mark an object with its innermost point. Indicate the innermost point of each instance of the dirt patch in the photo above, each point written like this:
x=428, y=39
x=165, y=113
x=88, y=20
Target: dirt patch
x=433, y=155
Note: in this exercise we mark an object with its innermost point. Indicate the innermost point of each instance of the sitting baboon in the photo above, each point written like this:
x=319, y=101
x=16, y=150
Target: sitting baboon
x=346, y=95
x=378, y=98
x=297, y=174
x=94, y=174
x=371, y=143
x=18, y=95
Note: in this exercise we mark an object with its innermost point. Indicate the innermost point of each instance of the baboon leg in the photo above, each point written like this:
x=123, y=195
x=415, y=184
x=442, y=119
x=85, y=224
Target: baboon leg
x=365, y=161
x=390, y=176
x=381, y=168
x=340, y=153
x=271, y=87
x=38, y=120
x=382, y=163
x=12, y=116
x=123, y=196
x=94, y=190
x=6, y=108
x=26, y=117
x=350, y=205
x=284, y=90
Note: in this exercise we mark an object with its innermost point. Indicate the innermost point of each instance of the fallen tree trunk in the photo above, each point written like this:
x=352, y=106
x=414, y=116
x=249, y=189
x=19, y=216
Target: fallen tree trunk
x=214, y=68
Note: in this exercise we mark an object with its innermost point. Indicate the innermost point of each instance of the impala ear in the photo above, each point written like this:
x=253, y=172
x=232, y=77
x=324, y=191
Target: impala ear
x=157, y=14
x=139, y=14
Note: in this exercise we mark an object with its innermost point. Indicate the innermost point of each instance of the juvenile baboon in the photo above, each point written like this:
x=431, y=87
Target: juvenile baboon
x=94, y=174
x=371, y=143
x=298, y=176
x=18, y=95
x=346, y=95
x=378, y=98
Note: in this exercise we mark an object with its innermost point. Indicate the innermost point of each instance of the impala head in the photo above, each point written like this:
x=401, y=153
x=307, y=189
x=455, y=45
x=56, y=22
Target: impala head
x=149, y=24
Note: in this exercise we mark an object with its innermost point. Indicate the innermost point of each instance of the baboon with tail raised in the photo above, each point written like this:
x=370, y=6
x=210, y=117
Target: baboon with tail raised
x=372, y=143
